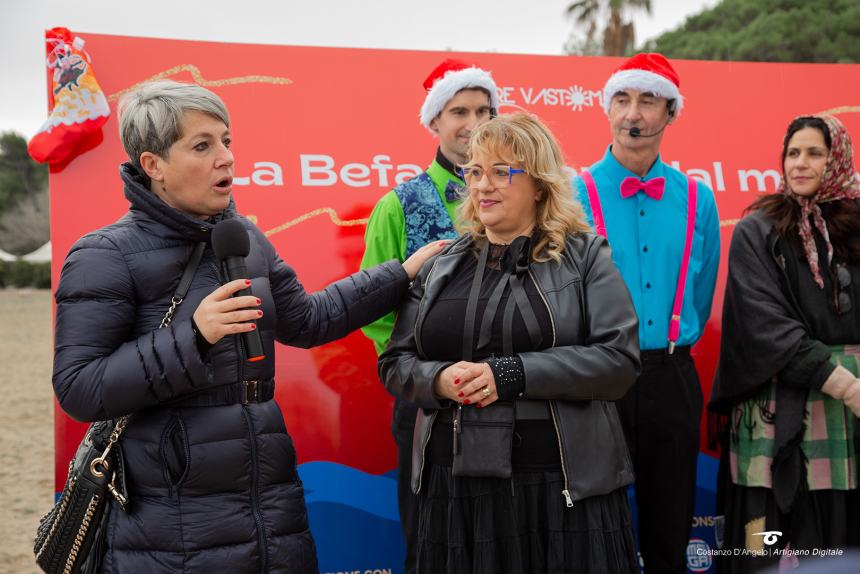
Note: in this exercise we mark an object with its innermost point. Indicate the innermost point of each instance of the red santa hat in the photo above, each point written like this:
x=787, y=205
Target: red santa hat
x=646, y=72
x=446, y=80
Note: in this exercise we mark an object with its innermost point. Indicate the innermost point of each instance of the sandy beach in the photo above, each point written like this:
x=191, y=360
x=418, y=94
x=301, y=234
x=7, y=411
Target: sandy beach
x=26, y=424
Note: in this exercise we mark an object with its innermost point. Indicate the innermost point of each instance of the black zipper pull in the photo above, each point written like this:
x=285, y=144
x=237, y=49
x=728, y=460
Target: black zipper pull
x=457, y=428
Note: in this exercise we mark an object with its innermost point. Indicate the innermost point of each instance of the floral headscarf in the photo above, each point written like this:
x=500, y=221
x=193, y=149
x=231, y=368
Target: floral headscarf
x=838, y=182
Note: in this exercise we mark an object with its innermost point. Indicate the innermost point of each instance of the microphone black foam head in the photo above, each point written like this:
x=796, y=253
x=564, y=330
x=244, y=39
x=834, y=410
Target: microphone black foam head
x=230, y=239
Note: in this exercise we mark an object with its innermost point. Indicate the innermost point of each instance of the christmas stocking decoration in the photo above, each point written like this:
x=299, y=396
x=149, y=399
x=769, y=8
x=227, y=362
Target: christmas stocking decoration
x=78, y=107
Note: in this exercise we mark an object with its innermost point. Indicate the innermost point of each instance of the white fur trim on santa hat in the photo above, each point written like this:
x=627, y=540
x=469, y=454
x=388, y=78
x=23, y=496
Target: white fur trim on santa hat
x=643, y=81
x=448, y=86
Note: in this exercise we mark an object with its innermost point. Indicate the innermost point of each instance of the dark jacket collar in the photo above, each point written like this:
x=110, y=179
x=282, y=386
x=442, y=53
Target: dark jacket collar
x=446, y=163
x=148, y=205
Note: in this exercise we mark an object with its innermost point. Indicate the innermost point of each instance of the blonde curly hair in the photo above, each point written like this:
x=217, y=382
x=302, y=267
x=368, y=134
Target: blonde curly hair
x=521, y=139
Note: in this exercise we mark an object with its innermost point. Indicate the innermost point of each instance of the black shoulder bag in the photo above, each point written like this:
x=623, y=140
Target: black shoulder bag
x=483, y=438
x=70, y=538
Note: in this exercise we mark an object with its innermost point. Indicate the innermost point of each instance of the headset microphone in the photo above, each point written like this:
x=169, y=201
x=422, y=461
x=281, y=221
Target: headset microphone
x=637, y=133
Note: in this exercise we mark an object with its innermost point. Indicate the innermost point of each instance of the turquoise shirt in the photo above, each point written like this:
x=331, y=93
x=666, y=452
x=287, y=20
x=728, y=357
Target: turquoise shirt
x=647, y=238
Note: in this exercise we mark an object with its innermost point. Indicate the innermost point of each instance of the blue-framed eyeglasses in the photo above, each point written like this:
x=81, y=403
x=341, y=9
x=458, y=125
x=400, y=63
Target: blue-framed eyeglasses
x=500, y=176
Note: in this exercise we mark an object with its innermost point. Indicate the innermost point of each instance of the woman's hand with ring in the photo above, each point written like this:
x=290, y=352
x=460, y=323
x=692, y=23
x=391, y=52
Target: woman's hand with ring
x=477, y=385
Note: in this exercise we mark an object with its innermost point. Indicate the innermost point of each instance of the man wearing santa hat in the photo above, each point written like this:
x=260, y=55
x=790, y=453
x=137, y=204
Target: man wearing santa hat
x=664, y=232
x=459, y=97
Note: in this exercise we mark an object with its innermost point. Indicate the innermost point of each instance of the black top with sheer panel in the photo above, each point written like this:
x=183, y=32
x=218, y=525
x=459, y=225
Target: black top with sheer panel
x=535, y=445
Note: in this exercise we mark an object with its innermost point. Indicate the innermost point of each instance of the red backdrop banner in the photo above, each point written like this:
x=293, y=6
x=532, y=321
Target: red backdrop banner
x=320, y=134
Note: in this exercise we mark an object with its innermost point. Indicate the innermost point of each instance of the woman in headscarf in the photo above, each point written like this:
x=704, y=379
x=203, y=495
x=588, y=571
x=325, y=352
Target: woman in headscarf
x=787, y=376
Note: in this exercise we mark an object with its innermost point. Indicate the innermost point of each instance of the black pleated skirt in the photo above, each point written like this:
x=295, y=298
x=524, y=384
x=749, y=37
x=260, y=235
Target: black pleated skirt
x=518, y=525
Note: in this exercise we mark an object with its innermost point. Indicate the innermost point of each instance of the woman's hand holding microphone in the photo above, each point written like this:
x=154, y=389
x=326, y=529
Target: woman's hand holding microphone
x=220, y=314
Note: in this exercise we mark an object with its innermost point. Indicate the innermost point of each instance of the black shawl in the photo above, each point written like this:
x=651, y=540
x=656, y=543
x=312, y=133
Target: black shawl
x=763, y=333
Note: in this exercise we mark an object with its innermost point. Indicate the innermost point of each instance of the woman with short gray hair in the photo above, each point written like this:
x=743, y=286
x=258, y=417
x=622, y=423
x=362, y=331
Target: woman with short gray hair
x=151, y=116
x=210, y=468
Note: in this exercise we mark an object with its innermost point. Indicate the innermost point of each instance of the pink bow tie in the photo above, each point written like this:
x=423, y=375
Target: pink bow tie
x=653, y=188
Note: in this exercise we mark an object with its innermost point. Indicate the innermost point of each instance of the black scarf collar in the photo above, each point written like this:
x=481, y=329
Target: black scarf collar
x=446, y=163
x=514, y=265
x=145, y=202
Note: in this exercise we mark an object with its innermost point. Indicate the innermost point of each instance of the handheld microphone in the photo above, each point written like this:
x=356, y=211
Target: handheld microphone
x=231, y=245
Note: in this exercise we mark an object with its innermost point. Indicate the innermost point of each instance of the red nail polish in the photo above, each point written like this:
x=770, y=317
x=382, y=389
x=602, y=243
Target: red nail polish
x=259, y=313
x=253, y=326
x=456, y=381
x=247, y=281
x=460, y=395
x=258, y=302
x=466, y=402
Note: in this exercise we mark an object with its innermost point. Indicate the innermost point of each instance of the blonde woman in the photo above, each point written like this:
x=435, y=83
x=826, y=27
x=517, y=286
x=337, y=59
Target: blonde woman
x=515, y=341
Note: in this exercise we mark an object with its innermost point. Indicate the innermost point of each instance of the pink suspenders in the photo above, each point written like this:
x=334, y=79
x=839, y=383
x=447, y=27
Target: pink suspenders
x=675, y=323
x=600, y=228
x=594, y=200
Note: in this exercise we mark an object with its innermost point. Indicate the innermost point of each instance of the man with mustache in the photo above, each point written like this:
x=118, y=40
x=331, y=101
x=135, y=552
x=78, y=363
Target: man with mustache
x=665, y=238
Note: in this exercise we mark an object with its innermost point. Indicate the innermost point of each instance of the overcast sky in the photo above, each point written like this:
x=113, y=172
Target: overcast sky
x=507, y=26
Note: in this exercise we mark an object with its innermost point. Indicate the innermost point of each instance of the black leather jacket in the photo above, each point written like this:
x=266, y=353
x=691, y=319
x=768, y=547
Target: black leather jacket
x=594, y=359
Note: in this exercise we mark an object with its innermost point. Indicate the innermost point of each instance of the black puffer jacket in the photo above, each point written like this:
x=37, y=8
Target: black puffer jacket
x=213, y=488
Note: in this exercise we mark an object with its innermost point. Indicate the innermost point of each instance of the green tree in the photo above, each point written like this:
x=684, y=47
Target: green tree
x=20, y=176
x=768, y=31
x=24, y=219
x=26, y=226
x=618, y=34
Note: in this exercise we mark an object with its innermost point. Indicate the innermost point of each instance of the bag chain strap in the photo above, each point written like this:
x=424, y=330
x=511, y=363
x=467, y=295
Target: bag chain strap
x=168, y=317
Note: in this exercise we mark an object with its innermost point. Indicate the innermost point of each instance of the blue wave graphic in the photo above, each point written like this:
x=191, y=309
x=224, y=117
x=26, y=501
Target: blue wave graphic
x=338, y=484
x=349, y=540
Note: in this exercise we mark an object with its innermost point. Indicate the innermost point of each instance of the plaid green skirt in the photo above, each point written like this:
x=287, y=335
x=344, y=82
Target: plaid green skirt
x=829, y=439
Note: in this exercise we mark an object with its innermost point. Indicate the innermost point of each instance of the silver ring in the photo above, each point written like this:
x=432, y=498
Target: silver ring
x=487, y=392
